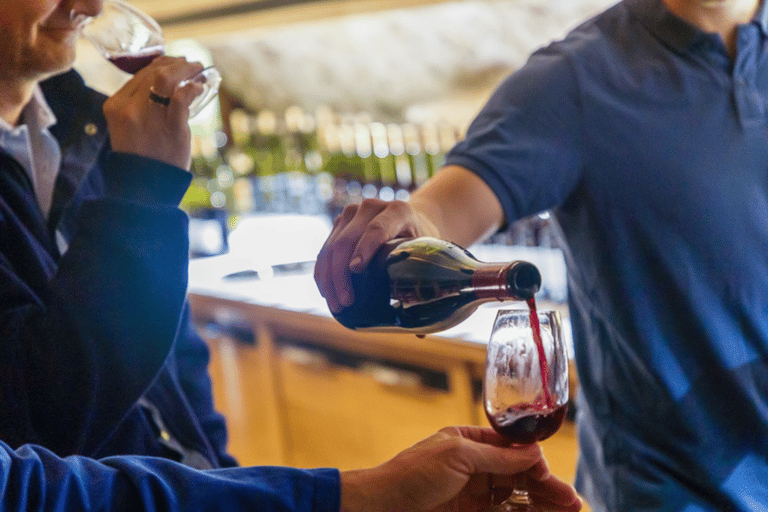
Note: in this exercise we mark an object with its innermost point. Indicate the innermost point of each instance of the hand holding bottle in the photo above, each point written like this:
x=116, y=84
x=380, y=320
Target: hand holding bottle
x=358, y=232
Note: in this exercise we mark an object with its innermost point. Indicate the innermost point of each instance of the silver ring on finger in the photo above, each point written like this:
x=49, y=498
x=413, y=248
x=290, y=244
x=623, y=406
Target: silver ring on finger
x=161, y=100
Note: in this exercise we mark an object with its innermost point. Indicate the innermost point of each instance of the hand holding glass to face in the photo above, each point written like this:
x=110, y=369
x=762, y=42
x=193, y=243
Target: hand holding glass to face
x=130, y=39
x=525, y=400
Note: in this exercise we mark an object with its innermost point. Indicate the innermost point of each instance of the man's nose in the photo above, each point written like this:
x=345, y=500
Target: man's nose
x=88, y=8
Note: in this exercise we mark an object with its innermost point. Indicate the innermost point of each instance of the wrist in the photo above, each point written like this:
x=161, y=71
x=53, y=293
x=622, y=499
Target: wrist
x=363, y=490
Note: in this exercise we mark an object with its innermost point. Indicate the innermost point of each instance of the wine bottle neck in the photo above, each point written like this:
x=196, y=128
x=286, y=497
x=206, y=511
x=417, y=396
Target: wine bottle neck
x=490, y=281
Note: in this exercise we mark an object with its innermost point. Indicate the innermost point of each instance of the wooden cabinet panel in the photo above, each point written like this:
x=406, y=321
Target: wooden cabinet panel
x=244, y=392
x=359, y=413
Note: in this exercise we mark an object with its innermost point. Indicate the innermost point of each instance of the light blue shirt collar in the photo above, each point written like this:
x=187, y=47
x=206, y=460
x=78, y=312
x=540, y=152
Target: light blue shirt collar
x=34, y=147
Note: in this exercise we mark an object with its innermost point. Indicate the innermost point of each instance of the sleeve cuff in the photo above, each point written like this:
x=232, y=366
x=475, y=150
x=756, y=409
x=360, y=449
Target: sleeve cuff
x=327, y=490
x=144, y=180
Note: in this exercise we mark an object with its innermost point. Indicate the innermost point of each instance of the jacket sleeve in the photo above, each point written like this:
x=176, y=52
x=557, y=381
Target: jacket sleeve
x=82, y=341
x=33, y=479
x=192, y=359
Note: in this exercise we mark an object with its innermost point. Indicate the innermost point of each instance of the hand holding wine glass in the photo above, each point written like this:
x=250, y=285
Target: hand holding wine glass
x=131, y=40
x=525, y=387
x=144, y=127
x=451, y=470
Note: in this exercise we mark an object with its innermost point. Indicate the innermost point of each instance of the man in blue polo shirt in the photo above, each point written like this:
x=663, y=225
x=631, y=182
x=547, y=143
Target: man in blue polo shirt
x=645, y=131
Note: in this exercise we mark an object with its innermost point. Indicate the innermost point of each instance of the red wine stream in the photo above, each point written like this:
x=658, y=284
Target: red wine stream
x=543, y=365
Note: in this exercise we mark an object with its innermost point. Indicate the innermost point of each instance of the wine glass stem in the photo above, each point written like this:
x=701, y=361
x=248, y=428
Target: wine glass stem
x=520, y=500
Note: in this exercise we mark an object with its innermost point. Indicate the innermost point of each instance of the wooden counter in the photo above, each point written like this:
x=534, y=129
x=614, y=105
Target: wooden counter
x=299, y=389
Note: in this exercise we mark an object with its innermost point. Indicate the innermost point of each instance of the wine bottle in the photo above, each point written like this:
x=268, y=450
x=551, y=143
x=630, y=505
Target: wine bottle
x=424, y=285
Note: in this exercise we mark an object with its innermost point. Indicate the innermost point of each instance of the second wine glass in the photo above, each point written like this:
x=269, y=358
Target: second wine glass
x=131, y=39
x=525, y=386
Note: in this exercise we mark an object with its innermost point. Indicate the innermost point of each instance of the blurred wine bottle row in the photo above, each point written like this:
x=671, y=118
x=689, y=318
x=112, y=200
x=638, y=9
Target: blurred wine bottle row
x=316, y=163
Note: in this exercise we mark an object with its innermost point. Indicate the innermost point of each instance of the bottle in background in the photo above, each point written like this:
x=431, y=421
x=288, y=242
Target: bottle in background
x=402, y=177
x=426, y=285
x=241, y=154
x=432, y=154
x=368, y=162
x=416, y=156
x=385, y=160
x=350, y=166
x=208, y=198
x=297, y=180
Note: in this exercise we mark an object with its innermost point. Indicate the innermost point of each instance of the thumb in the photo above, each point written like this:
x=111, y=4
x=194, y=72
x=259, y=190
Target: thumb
x=182, y=98
x=505, y=460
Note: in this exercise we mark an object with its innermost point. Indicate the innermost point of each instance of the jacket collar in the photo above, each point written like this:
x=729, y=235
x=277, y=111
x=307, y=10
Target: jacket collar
x=81, y=130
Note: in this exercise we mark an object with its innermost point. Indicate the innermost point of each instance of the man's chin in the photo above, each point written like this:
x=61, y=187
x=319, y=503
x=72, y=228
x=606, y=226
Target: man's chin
x=54, y=72
x=55, y=64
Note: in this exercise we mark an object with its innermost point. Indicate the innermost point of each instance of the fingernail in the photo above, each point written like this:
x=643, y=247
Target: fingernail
x=356, y=262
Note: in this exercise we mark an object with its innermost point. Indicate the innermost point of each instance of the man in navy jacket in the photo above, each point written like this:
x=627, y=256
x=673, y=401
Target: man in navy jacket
x=105, y=401
x=98, y=357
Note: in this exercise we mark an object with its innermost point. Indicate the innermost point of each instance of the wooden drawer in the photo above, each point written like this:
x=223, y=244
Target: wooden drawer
x=345, y=410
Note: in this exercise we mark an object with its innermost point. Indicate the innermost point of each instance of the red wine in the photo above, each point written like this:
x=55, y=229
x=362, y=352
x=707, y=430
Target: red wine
x=529, y=425
x=425, y=285
x=134, y=63
x=543, y=365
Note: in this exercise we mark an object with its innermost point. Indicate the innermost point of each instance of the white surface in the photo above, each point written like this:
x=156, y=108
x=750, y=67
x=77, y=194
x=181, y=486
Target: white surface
x=260, y=241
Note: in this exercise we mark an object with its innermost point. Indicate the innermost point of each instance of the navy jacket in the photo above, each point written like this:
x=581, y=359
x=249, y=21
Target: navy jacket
x=97, y=353
x=86, y=333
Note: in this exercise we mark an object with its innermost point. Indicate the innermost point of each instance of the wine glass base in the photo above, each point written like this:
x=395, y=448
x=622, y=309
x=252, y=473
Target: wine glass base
x=512, y=507
x=519, y=501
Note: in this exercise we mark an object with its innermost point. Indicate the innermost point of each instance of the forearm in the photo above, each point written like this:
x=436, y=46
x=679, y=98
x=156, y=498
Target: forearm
x=460, y=205
x=36, y=480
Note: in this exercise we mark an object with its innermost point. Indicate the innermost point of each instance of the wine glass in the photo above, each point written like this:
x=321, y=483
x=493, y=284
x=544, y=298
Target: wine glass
x=130, y=39
x=525, y=387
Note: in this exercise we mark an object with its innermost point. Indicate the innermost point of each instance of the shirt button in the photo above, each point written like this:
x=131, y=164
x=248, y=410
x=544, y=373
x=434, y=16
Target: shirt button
x=91, y=129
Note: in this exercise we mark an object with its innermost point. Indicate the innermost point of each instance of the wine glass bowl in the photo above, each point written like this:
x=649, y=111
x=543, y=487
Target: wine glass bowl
x=130, y=39
x=121, y=30
x=525, y=385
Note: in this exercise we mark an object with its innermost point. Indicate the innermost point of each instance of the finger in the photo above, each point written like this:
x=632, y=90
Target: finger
x=166, y=73
x=321, y=262
x=181, y=99
x=387, y=222
x=330, y=267
x=144, y=78
x=552, y=494
x=355, y=222
x=554, y=491
x=496, y=460
x=484, y=435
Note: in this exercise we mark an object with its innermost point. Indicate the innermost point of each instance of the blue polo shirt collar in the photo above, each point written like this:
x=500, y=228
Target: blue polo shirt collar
x=674, y=31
